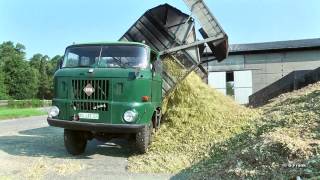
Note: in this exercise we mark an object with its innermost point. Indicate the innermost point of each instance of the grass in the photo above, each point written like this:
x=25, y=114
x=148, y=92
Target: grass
x=11, y=113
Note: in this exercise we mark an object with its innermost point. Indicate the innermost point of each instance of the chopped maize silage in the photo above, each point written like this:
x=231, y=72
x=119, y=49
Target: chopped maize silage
x=282, y=144
x=6, y=177
x=196, y=118
x=42, y=166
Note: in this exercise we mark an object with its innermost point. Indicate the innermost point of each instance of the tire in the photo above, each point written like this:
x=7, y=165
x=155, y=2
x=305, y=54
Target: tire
x=143, y=139
x=74, y=141
x=156, y=119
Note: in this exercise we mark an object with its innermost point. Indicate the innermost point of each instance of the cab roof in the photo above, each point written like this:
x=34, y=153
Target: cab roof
x=110, y=43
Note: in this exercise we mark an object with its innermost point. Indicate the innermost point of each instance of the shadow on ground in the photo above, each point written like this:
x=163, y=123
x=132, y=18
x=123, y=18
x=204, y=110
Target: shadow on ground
x=48, y=142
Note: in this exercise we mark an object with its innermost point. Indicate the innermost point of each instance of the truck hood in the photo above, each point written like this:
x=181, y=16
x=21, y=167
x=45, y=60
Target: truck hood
x=101, y=72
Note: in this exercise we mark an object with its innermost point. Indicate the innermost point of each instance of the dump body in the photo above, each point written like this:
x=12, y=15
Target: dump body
x=210, y=27
x=164, y=27
x=172, y=32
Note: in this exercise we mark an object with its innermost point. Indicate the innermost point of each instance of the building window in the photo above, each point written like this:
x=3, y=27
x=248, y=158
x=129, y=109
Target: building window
x=230, y=83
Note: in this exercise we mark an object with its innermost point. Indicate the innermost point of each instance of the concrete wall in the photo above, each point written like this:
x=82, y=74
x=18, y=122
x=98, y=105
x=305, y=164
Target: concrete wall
x=269, y=67
x=293, y=81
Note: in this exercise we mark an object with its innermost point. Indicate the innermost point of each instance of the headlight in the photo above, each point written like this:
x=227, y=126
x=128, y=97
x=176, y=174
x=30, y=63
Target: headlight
x=130, y=116
x=54, y=111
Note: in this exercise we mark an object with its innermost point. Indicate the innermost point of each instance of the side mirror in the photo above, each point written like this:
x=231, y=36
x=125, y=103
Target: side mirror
x=153, y=70
x=59, y=64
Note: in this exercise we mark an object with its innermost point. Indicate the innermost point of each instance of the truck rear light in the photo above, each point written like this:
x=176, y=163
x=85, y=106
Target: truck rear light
x=145, y=98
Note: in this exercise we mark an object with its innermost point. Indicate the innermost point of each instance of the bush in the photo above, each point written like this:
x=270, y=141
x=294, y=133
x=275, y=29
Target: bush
x=27, y=103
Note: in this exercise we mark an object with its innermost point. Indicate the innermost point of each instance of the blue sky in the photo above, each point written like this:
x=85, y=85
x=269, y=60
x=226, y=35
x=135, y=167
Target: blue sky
x=48, y=26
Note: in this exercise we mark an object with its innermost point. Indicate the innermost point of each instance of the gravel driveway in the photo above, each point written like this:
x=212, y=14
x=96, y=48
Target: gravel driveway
x=30, y=149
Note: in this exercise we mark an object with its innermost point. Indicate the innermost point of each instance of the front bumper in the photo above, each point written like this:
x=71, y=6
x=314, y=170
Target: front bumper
x=96, y=127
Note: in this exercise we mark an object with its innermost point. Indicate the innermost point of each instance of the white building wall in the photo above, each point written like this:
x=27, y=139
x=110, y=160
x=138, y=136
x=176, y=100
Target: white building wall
x=217, y=80
x=242, y=86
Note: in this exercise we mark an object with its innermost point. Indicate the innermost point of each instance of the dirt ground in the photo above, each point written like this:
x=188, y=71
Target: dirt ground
x=30, y=149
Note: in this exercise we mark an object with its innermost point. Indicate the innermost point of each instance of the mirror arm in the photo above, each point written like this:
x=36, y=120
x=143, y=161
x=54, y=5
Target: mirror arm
x=60, y=62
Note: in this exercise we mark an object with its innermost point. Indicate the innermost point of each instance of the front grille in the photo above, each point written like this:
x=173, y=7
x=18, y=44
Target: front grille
x=90, y=106
x=101, y=89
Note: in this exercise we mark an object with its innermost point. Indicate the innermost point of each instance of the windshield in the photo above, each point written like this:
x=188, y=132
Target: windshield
x=106, y=56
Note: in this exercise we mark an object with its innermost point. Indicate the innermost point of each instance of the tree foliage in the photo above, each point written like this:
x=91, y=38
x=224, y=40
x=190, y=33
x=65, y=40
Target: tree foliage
x=3, y=88
x=23, y=79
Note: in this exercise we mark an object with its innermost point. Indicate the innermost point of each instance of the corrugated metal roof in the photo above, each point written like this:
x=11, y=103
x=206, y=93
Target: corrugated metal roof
x=271, y=46
x=277, y=45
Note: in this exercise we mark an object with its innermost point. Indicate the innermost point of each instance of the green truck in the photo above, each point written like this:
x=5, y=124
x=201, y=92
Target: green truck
x=107, y=90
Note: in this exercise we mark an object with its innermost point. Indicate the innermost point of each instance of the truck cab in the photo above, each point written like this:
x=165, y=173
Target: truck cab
x=107, y=90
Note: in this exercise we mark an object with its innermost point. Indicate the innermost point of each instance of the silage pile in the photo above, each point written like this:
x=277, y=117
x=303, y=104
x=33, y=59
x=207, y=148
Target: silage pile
x=196, y=118
x=42, y=167
x=283, y=144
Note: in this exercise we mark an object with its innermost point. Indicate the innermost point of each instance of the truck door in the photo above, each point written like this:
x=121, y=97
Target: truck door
x=156, y=91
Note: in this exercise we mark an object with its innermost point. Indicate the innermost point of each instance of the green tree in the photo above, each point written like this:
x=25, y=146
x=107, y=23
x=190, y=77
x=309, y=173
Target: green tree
x=19, y=77
x=52, y=66
x=28, y=83
x=46, y=68
x=3, y=88
x=35, y=61
x=44, y=84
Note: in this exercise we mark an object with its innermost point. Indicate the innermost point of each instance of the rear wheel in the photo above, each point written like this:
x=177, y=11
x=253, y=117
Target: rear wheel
x=156, y=119
x=143, y=139
x=75, y=141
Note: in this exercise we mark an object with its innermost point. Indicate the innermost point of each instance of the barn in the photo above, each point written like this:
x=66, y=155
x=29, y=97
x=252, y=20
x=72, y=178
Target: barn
x=252, y=68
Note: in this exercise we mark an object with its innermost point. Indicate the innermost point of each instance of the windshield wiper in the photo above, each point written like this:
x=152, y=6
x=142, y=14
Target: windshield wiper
x=99, y=58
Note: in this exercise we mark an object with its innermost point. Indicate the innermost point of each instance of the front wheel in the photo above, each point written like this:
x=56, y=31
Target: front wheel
x=143, y=139
x=74, y=141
